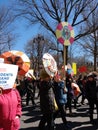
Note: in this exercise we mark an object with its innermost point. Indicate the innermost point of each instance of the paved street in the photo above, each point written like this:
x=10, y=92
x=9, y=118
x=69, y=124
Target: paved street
x=79, y=120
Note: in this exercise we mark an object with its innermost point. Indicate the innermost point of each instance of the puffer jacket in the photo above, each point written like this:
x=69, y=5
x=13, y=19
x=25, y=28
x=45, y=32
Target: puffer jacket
x=46, y=97
x=10, y=107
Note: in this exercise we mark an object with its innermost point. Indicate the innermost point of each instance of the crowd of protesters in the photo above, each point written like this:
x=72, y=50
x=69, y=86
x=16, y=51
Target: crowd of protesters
x=53, y=88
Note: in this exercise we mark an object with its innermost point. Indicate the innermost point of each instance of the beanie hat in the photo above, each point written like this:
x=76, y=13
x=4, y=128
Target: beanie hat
x=44, y=74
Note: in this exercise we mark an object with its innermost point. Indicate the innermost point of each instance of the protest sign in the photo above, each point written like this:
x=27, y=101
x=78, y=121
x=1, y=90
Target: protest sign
x=8, y=74
x=50, y=64
x=1, y=60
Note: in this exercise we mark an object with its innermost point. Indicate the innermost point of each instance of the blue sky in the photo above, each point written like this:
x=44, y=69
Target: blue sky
x=25, y=33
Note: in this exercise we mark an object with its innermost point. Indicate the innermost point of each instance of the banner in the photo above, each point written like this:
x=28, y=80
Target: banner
x=8, y=74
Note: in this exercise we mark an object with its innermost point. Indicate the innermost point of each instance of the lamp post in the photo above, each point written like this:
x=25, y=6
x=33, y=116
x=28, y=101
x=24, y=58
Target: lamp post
x=38, y=40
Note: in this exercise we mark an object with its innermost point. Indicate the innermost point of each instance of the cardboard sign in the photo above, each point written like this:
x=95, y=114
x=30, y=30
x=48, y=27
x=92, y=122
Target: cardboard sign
x=30, y=74
x=8, y=74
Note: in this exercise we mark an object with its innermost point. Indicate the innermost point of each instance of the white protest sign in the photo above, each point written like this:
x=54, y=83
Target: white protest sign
x=50, y=64
x=1, y=60
x=8, y=74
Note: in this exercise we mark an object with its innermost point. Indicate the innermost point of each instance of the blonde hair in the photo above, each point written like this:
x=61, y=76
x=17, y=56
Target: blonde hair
x=44, y=74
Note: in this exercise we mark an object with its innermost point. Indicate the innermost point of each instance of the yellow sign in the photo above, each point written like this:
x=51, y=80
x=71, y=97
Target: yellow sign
x=74, y=67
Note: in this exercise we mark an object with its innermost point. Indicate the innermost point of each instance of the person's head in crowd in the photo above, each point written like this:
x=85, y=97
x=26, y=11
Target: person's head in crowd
x=90, y=77
x=44, y=75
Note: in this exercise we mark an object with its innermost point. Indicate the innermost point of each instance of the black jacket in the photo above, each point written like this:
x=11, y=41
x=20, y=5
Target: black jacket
x=46, y=97
x=91, y=90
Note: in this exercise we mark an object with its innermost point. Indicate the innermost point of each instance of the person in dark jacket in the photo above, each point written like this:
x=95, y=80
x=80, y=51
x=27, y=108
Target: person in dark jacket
x=29, y=91
x=46, y=102
x=91, y=94
x=60, y=92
